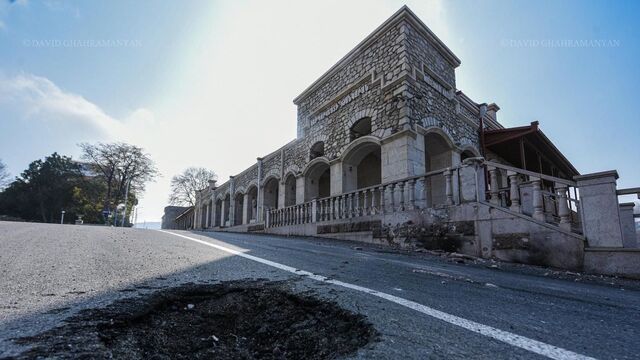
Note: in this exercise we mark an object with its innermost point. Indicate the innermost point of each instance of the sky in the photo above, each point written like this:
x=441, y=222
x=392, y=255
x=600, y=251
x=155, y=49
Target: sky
x=211, y=83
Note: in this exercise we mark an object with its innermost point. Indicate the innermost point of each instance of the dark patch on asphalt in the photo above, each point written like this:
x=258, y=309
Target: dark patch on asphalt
x=230, y=320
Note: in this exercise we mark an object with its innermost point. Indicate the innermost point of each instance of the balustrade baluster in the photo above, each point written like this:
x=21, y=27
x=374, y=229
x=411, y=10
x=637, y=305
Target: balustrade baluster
x=514, y=191
x=365, y=205
x=448, y=186
x=412, y=194
x=334, y=211
x=382, y=198
x=354, y=204
x=493, y=175
x=372, y=203
x=563, y=206
x=392, y=197
x=538, y=213
x=401, y=205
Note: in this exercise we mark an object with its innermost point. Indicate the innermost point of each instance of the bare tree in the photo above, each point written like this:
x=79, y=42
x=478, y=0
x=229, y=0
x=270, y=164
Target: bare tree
x=121, y=165
x=4, y=175
x=185, y=185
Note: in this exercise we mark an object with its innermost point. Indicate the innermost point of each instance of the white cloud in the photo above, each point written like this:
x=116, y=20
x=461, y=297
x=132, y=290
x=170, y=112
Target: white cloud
x=37, y=98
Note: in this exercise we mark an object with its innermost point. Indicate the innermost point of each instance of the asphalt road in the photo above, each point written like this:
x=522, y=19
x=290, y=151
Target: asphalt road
x=423, y=306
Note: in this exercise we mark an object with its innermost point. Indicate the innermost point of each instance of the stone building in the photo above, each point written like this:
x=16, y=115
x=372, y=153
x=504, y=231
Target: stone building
x=389, y=150
x=170, y=217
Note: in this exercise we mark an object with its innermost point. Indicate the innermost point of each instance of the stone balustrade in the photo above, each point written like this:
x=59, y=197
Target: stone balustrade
x=405, y=194
x=548, y=199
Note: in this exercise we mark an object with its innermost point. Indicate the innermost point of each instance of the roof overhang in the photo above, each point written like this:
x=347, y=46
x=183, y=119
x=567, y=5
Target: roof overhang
x=531, y=133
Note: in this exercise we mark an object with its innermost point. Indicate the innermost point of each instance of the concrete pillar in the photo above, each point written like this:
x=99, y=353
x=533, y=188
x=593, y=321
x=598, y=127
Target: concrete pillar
x=299, y=189
x=282, y=188
x=245, y=209
x=455, y=161
x=336, y=175
x=402, y=156
x=260, y=195
x=222, y=211
x=232, y=201
x=207, y=214
x=629, y=237
x=600, y=210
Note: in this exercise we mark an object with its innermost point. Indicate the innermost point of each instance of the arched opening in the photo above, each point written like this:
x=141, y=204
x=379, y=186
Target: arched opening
x=438, y=155
x=271, y=194
x=252, y=202
x=362, y=167
x=290, y=190
x=227, y=205
x=317, y=150
x=317, y=182
x=466, y=155
x=216, y=220
x=360, y=128
x=238, y=209
x=203, y=216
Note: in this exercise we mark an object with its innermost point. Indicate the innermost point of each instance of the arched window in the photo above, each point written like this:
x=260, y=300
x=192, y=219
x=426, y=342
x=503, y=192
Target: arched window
x=317, y=150
x=360, y=128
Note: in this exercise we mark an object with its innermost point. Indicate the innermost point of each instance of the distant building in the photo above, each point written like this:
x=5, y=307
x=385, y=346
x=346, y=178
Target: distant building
x=170, y=215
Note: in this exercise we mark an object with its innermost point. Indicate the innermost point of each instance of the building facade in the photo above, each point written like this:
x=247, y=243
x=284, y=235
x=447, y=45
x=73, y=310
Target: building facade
x=389, y=150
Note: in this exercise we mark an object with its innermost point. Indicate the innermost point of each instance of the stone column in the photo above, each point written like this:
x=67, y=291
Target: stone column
x=600, y=209
x=514, y=190
x=538, y=201
x=299, y=189
x=629, y=237
x=222, y=211
x=260, y=195
x=232, y=201
x=402, y=156
x=245, y=209
x=336, y=175
x=207, y=215
x=563, y=206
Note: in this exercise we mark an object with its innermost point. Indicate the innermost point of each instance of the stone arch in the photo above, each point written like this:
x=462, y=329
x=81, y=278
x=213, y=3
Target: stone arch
x=239, y=190
x=317, y=179
x=361, y=164
x=252, y=203
x=289, y=189
x=227, y=206
x=316, y=150
x=468, y=151
x=439, y=153
x=238, y=208
x=444, y=133
x=218, y=211
x=313, y=163
x=270, y=189
x=376, y=130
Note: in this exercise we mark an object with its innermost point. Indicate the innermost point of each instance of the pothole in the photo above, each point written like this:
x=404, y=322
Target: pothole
x=232, y=320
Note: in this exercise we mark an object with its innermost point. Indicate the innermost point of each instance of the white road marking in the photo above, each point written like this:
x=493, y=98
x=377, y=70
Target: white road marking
x=522, y=342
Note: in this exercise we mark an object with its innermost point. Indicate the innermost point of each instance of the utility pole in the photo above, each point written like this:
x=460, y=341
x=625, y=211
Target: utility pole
x=135, y=216
x=126, y=198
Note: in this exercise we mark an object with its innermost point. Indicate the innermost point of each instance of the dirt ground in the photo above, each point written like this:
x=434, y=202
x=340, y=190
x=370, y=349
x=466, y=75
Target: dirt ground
x=232, y=320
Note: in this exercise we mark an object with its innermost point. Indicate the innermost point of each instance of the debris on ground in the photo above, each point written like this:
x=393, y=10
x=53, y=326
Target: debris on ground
x=231, y=320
